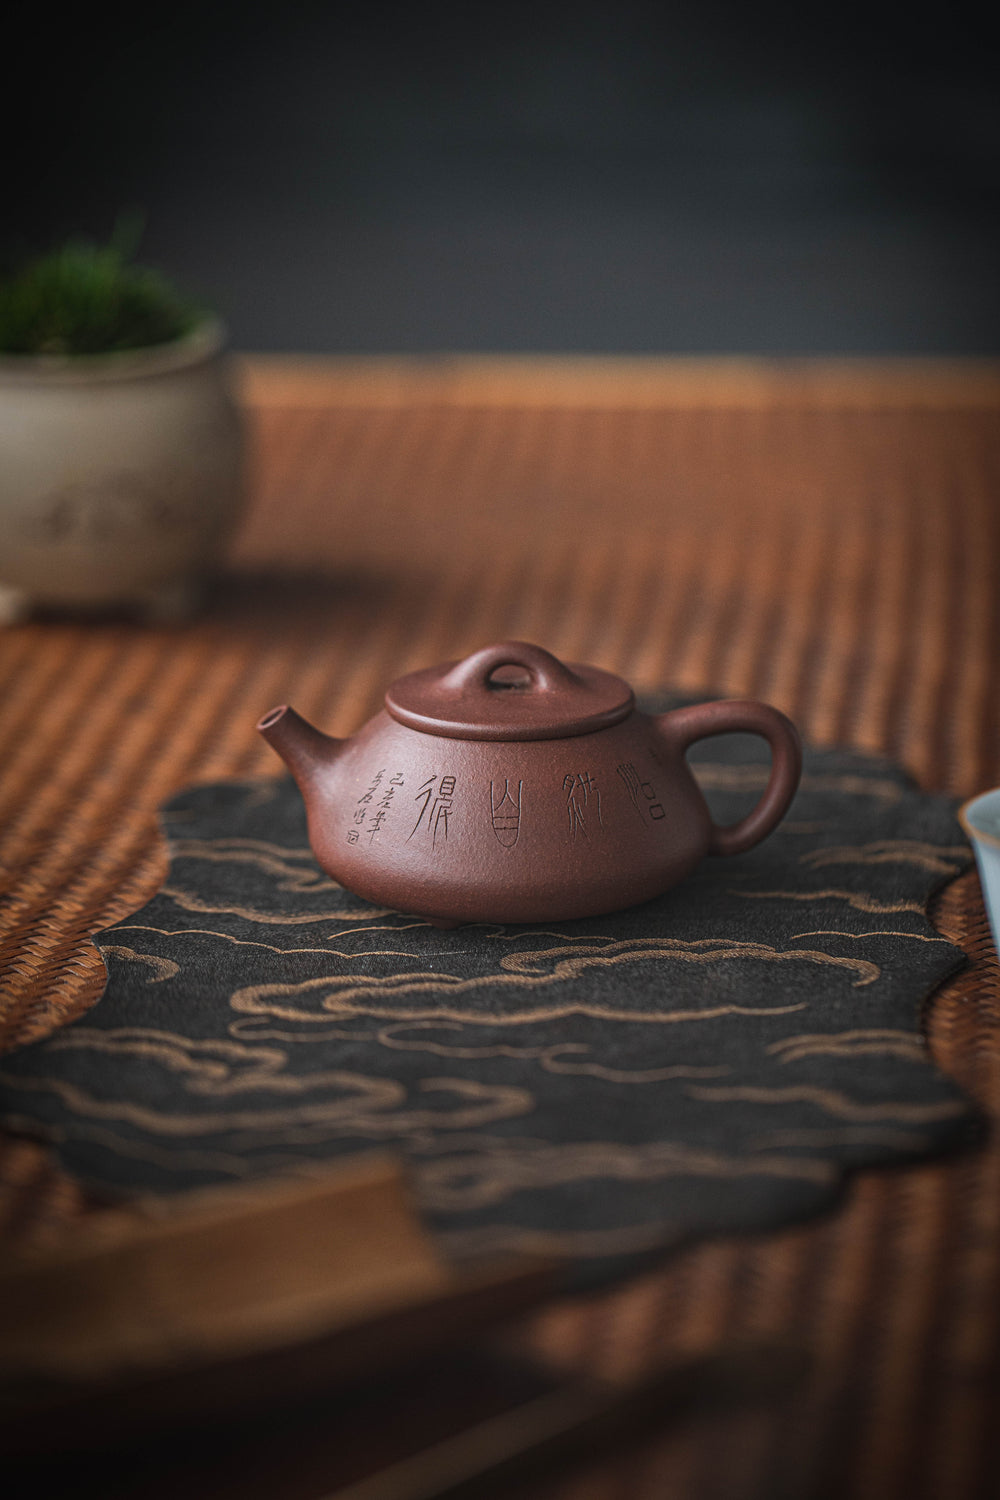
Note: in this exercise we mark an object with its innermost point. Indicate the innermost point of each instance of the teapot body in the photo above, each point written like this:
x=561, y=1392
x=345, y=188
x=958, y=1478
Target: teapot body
x=481, y=796
x=527, y=831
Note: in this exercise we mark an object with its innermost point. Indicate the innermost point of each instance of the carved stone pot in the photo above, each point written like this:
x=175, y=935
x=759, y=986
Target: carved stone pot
x=120, y=476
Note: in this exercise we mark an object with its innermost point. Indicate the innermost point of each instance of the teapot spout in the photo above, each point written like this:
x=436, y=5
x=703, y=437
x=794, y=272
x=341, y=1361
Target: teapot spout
x=305, y=750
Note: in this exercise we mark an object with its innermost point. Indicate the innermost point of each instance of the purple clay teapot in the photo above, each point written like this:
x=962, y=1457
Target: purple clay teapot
x=510, y=787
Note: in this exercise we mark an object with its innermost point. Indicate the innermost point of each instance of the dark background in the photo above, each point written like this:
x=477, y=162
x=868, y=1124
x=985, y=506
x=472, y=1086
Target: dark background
x=599, y=176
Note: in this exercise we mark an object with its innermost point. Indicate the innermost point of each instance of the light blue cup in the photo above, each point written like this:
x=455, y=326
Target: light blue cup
x=981, y=820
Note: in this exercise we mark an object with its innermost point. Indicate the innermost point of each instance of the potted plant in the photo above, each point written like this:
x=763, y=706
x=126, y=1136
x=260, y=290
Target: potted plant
x=120, y=442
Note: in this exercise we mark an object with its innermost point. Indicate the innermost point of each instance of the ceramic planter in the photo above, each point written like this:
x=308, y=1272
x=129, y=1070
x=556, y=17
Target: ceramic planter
x=120, y=476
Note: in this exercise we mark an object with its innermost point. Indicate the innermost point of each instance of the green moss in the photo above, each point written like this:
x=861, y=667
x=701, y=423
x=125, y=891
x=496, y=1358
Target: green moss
x=89, y=299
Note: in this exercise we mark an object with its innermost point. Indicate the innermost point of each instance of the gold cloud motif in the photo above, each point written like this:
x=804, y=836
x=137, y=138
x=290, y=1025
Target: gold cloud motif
x=718, y=777
x=466, y=1183
x=857, y=899
x=938, y=859
x=378, y=995
x=697, y=950
x=918, y=937
x=214, y=1066
x=163, y=968
x=255, y=793
x=905, y=1044
x=135, y=1150
x=898, y=1139
x=173, y=1159
x=367, y=1106
x=477, y=1104
x=260, y=846
x=258, y=1028
x=227, y=937
x=832, y=1101
x=190, y=902
x=558, y=1057
x=280, y=864
x=269, y=1000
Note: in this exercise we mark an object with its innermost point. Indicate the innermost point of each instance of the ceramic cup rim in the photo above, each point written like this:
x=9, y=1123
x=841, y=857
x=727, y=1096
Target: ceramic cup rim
x=974, y=832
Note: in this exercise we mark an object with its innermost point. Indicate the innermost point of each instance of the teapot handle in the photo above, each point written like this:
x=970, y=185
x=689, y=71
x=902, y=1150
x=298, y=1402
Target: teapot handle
x=682, y=726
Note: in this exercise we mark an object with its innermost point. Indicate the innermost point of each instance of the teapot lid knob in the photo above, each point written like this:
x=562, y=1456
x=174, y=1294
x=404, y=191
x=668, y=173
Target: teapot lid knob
x=510, y=691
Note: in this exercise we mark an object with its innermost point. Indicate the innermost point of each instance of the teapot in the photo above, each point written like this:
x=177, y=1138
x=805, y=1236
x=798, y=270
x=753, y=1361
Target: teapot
x=511, y=787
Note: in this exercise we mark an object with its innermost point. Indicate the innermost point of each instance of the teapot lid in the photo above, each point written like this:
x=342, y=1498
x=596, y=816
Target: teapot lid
x=511, y=691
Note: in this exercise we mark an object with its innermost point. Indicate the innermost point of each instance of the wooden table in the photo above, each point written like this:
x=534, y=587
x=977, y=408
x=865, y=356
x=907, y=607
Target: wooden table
x=826, y=536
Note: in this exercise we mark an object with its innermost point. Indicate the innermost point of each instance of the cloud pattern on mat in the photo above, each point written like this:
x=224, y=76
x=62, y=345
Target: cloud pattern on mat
x=604, y=1089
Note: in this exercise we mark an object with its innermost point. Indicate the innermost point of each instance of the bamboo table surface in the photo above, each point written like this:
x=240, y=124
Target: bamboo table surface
x=822, y=535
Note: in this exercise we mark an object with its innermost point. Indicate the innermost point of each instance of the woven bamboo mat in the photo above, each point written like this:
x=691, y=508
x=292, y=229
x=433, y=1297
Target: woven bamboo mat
x=825, y=537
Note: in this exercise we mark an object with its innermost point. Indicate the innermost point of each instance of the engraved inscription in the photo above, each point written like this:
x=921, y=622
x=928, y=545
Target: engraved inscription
x=381, y=811
x=641, y=793
x=436, y=798
x=372, y=807
x=505, y=812
x=583, y=803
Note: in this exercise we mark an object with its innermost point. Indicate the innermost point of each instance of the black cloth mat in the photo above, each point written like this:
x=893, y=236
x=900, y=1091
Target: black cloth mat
x=712, y=1061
